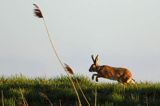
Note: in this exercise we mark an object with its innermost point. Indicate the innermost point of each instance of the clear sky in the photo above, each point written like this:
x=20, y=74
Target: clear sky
x=125, y=33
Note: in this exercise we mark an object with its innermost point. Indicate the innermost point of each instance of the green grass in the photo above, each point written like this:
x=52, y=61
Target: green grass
x=60, y=91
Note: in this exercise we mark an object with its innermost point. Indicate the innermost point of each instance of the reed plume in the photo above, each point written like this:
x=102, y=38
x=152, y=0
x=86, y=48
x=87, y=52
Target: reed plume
x=45, y=97
x=68, y=69
x=37, y=12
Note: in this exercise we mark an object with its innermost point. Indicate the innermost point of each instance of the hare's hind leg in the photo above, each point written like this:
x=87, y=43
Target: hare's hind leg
x=133, y=81
x=129, y=80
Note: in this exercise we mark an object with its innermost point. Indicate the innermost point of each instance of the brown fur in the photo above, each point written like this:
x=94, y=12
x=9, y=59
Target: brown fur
x=122, y=75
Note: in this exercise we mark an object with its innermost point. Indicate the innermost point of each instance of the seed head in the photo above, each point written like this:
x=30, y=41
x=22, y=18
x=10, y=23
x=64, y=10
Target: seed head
x=69, y=69
x=37, y=11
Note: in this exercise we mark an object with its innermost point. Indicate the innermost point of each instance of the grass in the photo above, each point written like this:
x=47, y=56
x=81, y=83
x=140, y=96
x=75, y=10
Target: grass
x=59, y=92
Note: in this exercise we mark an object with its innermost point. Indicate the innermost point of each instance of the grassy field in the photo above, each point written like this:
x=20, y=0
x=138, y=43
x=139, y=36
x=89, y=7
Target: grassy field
x=59, y=92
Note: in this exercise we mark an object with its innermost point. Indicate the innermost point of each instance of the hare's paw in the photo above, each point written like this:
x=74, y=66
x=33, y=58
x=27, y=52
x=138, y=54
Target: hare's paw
x=96, y=79
x=92, y=77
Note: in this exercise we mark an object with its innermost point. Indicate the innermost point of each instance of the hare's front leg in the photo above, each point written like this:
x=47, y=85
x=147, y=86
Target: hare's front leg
x=97, y=77
x=94, y=75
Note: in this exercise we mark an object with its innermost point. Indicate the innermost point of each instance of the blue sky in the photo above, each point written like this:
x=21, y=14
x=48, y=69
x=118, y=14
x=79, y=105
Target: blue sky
x=125, y=33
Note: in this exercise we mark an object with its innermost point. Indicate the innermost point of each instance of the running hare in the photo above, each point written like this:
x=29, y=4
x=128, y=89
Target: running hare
x=121, y=75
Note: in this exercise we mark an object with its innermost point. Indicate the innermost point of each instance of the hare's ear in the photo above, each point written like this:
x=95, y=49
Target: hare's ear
x=96, y=60
x=93, y=58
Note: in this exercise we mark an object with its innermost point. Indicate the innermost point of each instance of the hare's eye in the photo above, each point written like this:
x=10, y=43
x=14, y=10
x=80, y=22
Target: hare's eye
x=94, y=66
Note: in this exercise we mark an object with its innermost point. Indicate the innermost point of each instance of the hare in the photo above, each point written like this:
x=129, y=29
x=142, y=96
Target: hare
x=121, y=75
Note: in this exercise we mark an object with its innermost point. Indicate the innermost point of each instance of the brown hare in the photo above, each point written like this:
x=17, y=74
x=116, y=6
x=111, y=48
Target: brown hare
x=121, y=75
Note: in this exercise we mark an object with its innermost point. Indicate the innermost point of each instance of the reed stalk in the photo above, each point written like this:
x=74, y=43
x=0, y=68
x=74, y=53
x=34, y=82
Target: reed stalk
x=95, y=97
x=23, y=98
x=70, y=71
x=2, y=96
x=38, y=13
x=83, y=93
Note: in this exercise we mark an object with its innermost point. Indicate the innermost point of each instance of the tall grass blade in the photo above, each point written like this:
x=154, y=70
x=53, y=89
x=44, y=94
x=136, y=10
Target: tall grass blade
x=60, y=104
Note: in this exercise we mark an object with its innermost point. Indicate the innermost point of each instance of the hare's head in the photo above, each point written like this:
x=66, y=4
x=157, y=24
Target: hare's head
x=95, y=64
